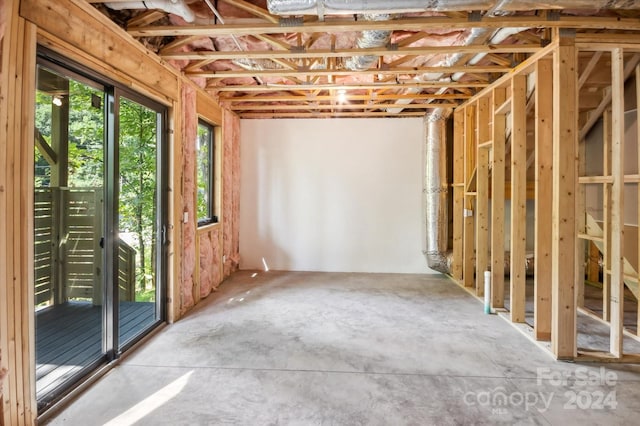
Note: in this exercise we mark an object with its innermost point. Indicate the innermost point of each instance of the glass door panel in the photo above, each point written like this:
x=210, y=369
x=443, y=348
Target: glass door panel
x=137, y=218
x=69, y=196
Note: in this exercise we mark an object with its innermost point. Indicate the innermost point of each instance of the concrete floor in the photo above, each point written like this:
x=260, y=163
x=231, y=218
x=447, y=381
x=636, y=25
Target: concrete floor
x=285, y=348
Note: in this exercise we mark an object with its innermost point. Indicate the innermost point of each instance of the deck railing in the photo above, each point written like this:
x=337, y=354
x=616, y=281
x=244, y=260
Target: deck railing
x=68, y=257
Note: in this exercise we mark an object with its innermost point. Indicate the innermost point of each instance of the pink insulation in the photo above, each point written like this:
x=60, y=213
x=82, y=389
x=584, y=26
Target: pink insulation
x=210, y=268
x=231, y=192
x=189, y=129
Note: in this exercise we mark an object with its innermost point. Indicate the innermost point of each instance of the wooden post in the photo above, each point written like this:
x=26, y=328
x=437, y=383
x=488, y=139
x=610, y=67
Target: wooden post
x=458, y=193
x=565, y=123
x=617, y=202
x=483, y=132
x=497, y=201
x=544, y=199
x=518, y=196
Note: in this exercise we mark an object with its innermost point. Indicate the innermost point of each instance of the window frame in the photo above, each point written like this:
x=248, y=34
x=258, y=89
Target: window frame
x=212, y=217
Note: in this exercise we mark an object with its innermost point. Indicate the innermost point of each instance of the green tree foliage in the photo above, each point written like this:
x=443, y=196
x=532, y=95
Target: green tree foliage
x=137, y=211
x=137, y=151
x=203, y=167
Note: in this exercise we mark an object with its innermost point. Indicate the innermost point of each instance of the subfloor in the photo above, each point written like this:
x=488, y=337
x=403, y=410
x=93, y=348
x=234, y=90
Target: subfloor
x=297, y=348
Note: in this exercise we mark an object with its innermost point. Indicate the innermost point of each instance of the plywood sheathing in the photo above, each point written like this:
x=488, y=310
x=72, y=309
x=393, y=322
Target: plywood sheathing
x=231, y=193
x=189, y=135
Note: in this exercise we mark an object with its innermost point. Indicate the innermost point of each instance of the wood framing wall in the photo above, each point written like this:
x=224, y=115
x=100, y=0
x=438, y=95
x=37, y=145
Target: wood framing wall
x=17, y=89
x=79, y=32
x=538, y=118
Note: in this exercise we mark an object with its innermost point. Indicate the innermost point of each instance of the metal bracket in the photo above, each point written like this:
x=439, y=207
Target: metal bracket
x=291, y=22
x=474, y=16
x=553, y=15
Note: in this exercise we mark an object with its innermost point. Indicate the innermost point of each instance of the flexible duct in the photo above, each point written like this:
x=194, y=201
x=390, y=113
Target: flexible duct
x=369, y=39
x=176, y=7
x=347, y=7
x=435, y=192
x=500, y=35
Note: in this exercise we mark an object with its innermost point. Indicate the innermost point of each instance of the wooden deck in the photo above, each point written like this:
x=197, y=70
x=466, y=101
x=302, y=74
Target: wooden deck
x=69, y=338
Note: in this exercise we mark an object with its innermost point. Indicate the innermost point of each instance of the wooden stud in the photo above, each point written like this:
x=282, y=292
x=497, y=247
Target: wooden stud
x=606, y=226
x=581, y=223
x=174, y=260
x=518, y=198
x=469, y=230
x=497, y=200
x=565, y=122
x=638, y=187
x=27, y=217
x=7, y=115
x=543, y=198
x=458, y=193
x=483, y=133
x=617, y=203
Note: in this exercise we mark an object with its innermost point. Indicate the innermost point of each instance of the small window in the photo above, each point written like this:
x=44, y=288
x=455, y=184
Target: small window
x=204, y=158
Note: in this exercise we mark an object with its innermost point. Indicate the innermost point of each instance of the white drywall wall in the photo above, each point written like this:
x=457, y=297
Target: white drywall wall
x=340, y=195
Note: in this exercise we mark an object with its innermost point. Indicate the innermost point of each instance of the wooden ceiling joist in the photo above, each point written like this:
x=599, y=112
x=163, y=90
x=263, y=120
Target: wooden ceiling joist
x=316, y=97
x=407, y=24
x=280, y=87
x=338, y=106
x=346, y=53
x=326, y=72
x=331, y=114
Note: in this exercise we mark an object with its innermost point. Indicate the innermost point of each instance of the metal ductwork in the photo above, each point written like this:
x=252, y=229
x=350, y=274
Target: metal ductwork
x=348, y=7
x=448, y=61
x=369, y=39
x=435, y=192
x=176, y=7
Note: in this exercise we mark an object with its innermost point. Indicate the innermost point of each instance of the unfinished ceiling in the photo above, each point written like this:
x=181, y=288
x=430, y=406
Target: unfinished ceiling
x=342, y=58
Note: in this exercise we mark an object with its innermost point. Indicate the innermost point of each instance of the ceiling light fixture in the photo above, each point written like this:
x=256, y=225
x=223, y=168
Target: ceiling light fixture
x=342, y=96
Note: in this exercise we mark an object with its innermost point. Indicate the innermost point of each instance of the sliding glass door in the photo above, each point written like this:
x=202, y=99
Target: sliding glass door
x=98, y=223
x=69, y=205
x=139, y=228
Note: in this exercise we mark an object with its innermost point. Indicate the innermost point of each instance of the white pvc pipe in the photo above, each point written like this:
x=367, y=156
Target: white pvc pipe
x=487, y=292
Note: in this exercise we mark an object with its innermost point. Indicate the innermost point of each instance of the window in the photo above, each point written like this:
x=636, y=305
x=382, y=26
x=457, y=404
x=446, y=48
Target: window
x=204, y=178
